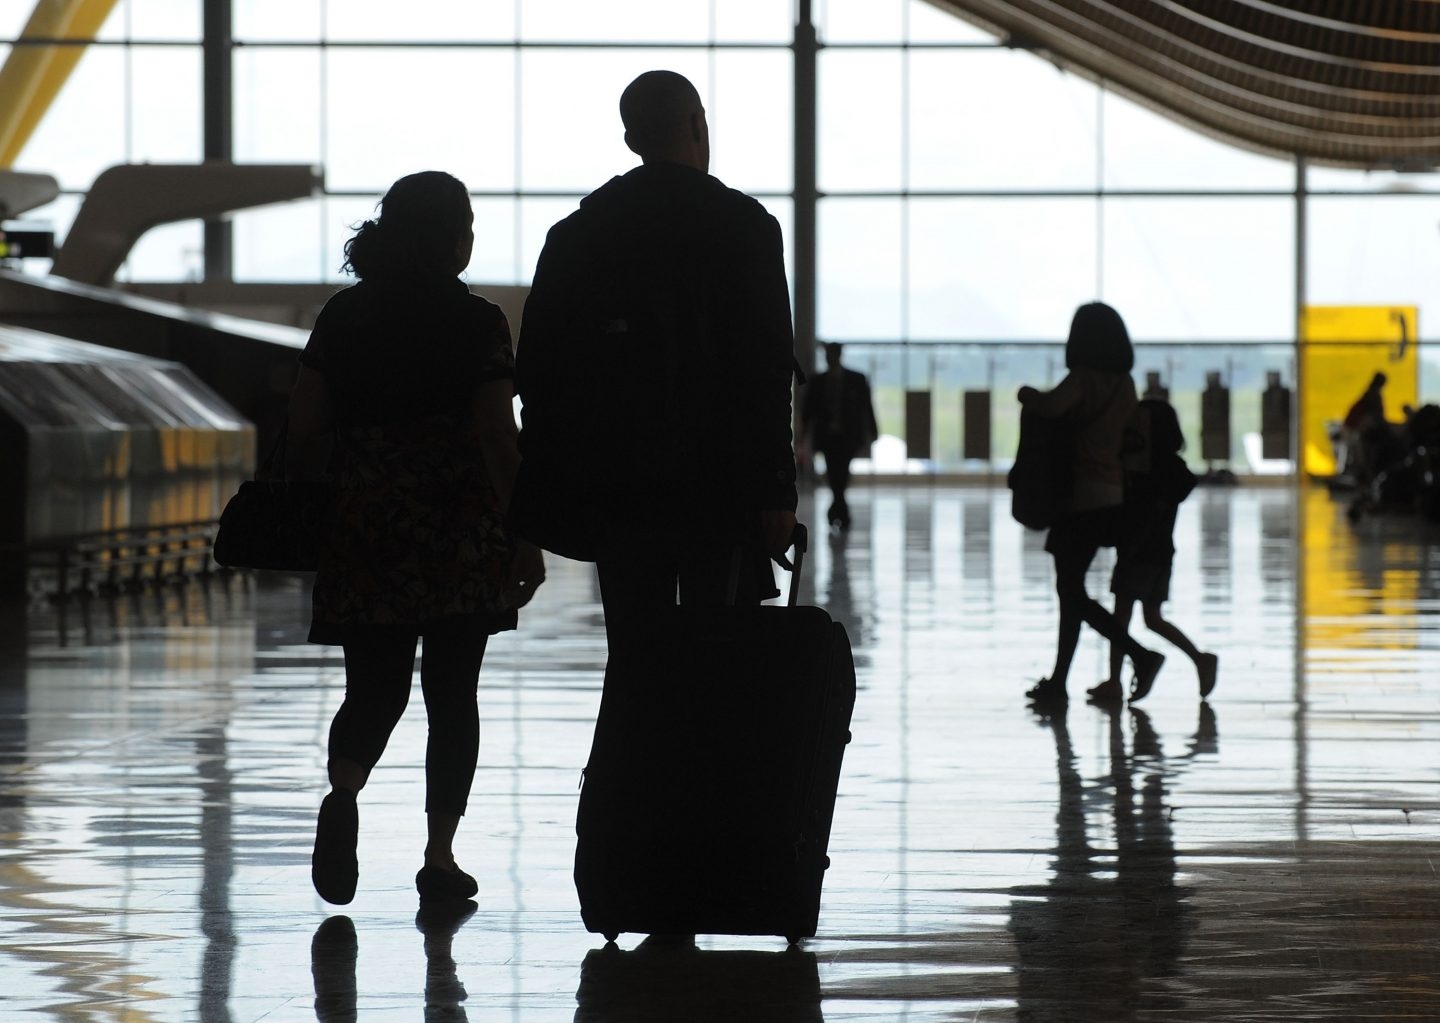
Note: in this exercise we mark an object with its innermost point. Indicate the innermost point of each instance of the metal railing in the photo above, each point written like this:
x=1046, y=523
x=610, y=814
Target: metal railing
x=120, y=561
x=947, y=370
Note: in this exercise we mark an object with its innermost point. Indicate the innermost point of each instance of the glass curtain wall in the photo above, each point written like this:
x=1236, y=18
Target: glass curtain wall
x=517, y=99
x=971, y=193
x=974, y=194
x=133, y=97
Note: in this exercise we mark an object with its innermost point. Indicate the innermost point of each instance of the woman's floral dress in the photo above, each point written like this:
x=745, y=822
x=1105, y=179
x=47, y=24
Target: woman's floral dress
x=417, y=533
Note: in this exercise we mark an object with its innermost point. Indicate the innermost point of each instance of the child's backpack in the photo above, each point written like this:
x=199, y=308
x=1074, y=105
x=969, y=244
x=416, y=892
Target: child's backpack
x=1151, y=476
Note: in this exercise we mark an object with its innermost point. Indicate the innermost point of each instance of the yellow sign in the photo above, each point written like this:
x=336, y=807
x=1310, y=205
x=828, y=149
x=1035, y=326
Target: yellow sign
x=1341, y=350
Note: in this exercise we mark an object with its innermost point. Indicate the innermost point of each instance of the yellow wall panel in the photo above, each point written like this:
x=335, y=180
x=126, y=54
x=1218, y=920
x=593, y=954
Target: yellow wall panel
x=1341, y=348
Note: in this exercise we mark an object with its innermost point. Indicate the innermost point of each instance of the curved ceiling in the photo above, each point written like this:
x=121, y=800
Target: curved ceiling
x=1352, y=83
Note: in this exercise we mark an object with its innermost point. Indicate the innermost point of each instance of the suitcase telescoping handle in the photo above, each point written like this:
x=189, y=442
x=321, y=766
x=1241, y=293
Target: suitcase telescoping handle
x=799, y=539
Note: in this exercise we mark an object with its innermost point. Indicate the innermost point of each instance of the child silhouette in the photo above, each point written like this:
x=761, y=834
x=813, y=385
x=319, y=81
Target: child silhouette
x=1156, y=481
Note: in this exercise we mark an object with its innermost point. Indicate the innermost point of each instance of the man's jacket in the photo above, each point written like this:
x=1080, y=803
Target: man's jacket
x=654, y=364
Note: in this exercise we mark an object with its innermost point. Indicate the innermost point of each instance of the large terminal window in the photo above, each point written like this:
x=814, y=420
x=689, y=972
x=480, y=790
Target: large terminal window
x=971, y=193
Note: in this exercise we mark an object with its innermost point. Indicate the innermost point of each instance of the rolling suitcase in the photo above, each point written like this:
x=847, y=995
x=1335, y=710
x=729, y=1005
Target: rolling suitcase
x=706, y=804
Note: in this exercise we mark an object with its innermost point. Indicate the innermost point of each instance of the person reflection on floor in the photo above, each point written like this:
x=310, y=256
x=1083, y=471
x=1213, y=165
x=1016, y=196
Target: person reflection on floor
x=854, y=612
x=1093, y=942
x=334, y=950
x=444, y=992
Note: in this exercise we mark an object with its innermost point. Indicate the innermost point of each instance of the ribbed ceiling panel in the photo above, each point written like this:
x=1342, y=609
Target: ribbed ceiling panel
x=1354, y=83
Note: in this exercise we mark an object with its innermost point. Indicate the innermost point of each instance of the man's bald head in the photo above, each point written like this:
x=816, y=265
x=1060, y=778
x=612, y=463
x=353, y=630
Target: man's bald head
x=665, y=120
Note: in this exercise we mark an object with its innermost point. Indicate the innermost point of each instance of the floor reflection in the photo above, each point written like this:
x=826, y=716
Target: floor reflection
x=444, y=993
x=217, y=866
x=161, y=758
x=849, y=559
x=334, y=952
x=1112, y=919
x=670, y=979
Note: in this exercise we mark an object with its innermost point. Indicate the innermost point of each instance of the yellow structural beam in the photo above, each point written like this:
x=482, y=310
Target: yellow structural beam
x=33, y=75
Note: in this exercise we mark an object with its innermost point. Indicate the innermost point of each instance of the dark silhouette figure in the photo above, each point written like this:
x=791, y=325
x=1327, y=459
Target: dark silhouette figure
x=1094, y=402
x=1154, y=488
x=838, y=421
x=1109, y=922
x=1401, y=460
x=1367, y=436
x=655, y=364
x=404, y=399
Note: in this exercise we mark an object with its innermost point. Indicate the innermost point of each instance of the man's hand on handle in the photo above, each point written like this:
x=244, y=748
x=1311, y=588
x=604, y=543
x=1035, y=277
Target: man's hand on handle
x=527, y=572
x=777, y=529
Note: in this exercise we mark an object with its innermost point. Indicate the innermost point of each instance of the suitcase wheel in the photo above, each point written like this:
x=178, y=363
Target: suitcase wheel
x=847, y=737
x=827, y=864
x=610, y=936
x=794, y=940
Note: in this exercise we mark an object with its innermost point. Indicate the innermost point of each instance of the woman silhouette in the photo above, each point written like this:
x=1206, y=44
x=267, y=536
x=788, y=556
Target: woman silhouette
x=404, y=398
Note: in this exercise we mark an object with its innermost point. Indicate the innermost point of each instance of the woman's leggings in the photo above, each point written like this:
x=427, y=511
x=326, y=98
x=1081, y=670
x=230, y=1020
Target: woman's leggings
x=378, y=669
x=1073, y=553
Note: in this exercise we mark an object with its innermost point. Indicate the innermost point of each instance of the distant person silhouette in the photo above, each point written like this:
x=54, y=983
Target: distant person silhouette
x=1154, y=489
x=1366, y=433
x=838, y=420
x=405, y=398
x=654, y=366
x=1093, y=404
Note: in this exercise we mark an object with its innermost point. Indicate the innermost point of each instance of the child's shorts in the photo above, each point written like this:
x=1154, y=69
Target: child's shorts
x=1145, y=581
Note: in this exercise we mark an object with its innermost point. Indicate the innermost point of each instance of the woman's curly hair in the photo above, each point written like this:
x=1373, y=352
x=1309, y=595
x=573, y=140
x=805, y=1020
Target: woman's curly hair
x=422, y=220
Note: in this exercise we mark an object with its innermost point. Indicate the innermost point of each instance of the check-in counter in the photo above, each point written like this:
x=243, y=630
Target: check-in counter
x=95, y=440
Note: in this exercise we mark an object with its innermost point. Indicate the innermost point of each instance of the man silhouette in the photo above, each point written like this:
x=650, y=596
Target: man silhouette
x=654, y=365
x=839, y=421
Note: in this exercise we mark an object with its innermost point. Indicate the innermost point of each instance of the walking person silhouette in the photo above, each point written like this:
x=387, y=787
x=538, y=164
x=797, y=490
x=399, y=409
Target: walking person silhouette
x=838, y=420
x=404, y=397
x=1157, y=480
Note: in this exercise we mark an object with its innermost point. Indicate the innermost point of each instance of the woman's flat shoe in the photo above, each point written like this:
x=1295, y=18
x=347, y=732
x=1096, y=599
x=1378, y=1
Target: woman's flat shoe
x=1146, y=668
x=436, y=884
x=334, y=868
x=1046, y=692
x=1109, y=691
x=1209, y=668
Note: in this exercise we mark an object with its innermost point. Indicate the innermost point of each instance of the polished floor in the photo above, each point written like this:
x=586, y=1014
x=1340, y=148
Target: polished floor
x=1271, y=854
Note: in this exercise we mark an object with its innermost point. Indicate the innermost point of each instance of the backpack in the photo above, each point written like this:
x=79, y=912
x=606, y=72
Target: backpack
x=1043, y=477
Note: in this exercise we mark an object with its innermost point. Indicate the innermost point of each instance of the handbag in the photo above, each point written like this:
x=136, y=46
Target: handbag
x=274, y=523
